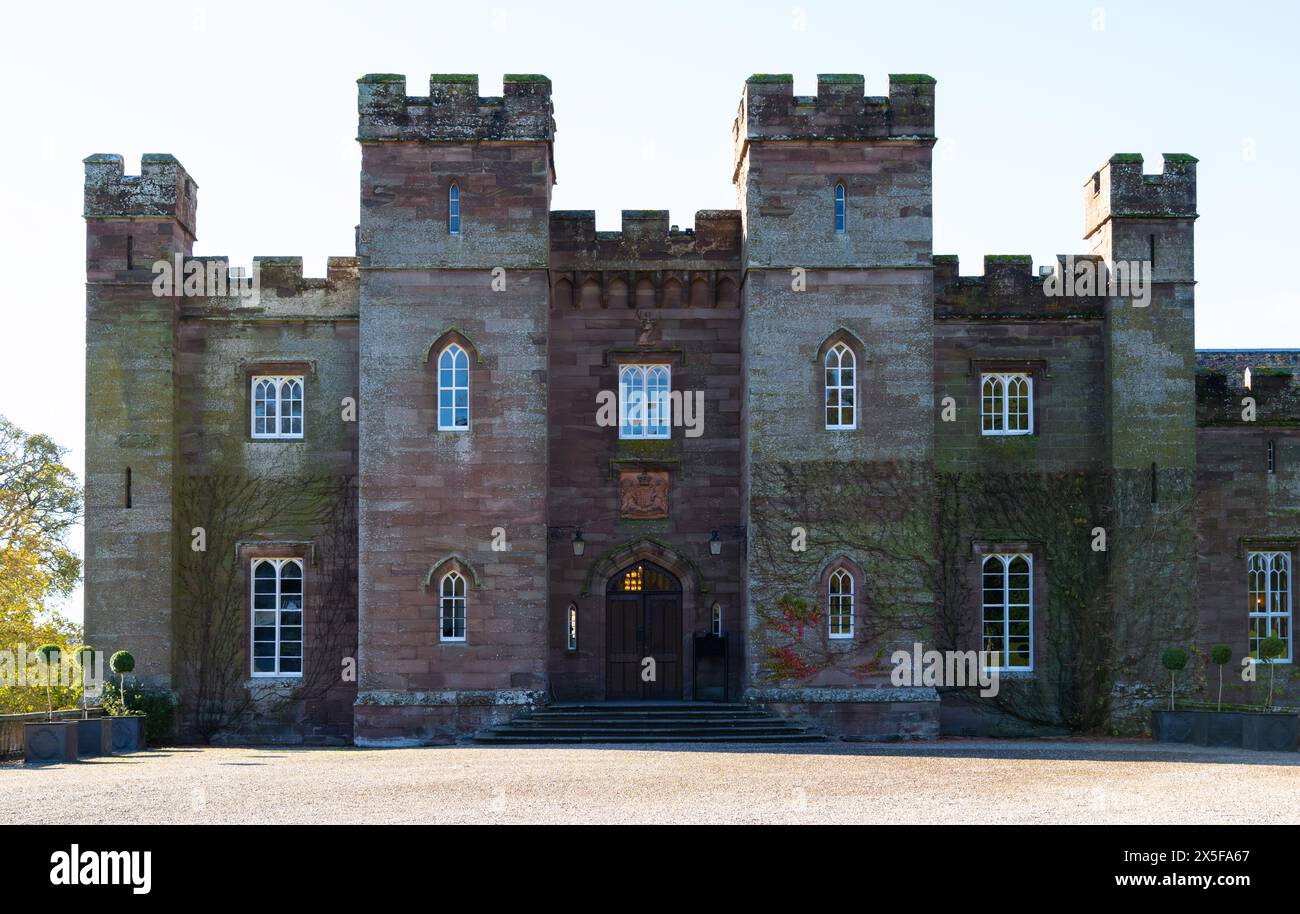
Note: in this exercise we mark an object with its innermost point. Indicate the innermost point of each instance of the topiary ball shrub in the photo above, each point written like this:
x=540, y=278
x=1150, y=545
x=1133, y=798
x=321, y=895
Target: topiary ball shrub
x=122, y=662
x=1272, y=647
x=50, y=653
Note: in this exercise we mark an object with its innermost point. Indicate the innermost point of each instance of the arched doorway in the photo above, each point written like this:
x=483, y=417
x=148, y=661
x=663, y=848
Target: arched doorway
x=643, y=618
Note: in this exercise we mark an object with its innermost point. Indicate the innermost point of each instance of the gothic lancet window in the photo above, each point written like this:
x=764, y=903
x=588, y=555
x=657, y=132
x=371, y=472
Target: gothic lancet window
x=453, y=389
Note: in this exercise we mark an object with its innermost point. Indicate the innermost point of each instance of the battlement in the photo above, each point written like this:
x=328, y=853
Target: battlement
x=163, y=188
x=1221, y=386
x=646, y=235
x=1119, y=188
x=280, y=289
x=769, y=109
x=453, y=111
x=1008, y=289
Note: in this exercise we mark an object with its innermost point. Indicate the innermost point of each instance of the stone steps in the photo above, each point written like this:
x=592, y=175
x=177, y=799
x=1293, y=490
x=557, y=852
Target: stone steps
x=628, y=722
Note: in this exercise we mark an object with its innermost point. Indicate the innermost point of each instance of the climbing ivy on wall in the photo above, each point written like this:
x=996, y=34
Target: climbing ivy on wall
x=914, y=533
x=211, y=611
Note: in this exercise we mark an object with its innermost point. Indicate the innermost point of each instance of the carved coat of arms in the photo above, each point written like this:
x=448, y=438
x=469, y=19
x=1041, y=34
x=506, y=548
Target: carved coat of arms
x=643, y=494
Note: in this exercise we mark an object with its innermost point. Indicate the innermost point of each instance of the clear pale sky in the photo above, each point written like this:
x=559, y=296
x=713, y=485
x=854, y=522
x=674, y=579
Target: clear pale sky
x=258, y=101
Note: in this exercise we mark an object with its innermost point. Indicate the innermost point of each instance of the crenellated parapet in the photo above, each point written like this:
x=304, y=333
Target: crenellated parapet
x=1009, y=289
x=1120, y=189
x=650, y=263
x=162, y=189
x=769, y=110
x=274, y=289
x=1222, y=376
x=646, y=235
x=453, y=111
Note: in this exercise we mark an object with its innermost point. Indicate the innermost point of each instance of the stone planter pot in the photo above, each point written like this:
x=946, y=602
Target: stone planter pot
x=50, y=742
x=1221, y=728
x=128, y=733
x=1201, y=728
x=94, y=736
x=1270, y=732
x=1178, y=727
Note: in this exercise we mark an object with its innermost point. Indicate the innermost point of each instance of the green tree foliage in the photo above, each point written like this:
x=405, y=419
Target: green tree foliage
x=40, y=501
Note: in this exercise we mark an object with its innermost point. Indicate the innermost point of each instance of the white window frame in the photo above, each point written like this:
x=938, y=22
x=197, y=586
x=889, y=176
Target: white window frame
x=715, y=619
x=1004, y=607
x=453, y=209
x=283, y=389
x=842, y=578
x=645, y=401
x=447, y=384
x=841, y=209
x=844, y=360
x=457, y=603
x=279, y=597
x=995, y=418
x=1275, y=597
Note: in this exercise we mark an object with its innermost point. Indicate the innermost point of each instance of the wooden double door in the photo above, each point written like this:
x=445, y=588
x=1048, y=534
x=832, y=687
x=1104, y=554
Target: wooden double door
x=643, y=635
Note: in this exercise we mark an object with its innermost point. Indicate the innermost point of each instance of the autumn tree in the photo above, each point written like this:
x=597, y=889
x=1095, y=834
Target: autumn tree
x=40, y=501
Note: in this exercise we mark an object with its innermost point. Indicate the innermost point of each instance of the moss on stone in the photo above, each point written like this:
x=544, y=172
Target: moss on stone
x=771, y=78
x=455, y=78
x=912, y=78
x=1126, y=158
x=526, y=78
x=382, y=78
x=662, y=450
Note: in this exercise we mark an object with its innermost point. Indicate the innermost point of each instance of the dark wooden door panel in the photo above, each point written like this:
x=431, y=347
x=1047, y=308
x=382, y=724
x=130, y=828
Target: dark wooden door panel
x=663, y=626
x=622, y=648
x=643, y=619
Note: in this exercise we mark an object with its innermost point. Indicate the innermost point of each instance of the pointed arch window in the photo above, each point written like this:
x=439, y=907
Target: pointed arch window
x=1006, y=404
x=841, y=388
x=1008, y=618
x=839, y=611
x=277, y=407
x=453, y=210
x=1269, y=580
x=277, y=617
x=715, y=619
x=453, y=389
x=451, y=606
x=841, y=213
x=571, y=627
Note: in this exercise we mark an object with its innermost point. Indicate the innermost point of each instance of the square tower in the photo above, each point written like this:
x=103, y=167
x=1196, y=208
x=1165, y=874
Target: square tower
x=453, y=243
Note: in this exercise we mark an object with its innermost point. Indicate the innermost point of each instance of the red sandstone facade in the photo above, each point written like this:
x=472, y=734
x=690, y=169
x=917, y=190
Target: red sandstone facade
x=552, y=522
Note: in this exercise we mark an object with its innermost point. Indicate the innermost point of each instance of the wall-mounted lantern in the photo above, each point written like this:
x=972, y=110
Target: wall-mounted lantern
x=715, y=543
x=579, y=547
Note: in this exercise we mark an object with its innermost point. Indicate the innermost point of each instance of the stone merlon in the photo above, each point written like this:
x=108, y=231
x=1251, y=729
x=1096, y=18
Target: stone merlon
x=1119, y=188
x=163, y=188
x=453, y=111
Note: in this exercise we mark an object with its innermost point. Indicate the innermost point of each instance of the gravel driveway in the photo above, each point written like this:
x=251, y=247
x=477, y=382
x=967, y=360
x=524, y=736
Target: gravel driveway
x=965, y=781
